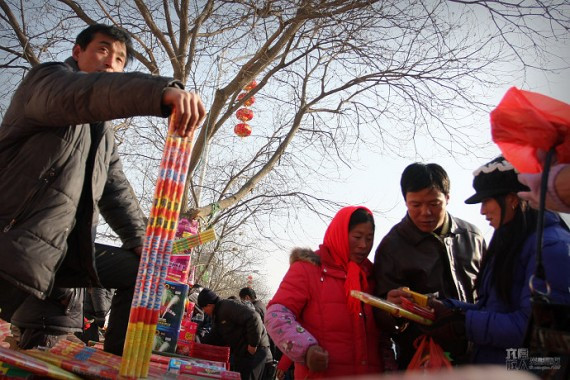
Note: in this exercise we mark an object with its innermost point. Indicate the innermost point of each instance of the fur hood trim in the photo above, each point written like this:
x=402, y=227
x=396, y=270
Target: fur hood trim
x=304, y=254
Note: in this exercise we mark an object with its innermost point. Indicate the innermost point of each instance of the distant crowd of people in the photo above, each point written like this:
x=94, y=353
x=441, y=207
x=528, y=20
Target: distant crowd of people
x=60, y=170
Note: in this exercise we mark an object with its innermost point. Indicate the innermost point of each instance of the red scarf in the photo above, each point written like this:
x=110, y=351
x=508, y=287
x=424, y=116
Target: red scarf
x=336, y=241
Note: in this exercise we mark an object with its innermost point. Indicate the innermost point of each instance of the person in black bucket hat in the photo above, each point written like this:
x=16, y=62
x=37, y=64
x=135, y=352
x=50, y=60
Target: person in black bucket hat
x=497, y=322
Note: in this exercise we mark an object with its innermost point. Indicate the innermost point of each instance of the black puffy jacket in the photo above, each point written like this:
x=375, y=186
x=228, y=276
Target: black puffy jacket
x=52, y=137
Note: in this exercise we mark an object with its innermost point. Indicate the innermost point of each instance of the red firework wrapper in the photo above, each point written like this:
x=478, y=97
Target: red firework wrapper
x=31, y=364
x=92, y=362
x=79, y=367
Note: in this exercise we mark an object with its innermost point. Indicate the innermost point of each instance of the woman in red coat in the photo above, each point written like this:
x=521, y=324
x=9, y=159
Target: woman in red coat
x=313, y=319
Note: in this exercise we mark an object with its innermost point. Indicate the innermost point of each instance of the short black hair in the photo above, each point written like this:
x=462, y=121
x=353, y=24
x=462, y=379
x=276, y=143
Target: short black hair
x=419, y=176
x=247, y=292
x=359, y=216
x=86, y=36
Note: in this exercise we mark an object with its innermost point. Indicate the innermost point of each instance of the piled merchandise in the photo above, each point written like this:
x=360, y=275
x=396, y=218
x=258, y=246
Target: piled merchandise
x=73, y=361
x=89, y=361
x=16, y=364
x=175, y=330
x=209, y=352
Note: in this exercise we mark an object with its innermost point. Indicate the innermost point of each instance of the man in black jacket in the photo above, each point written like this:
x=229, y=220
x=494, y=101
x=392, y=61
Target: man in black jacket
x=429, y=251
x=59, y=167
x=240, y=327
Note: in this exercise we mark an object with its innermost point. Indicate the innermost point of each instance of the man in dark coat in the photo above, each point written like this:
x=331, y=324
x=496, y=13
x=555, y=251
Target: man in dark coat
x=239, y=327
x=59, y=167
x=429, y=251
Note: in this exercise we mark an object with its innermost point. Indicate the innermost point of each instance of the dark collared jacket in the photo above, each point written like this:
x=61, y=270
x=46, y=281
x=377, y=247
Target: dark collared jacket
x=427, y=263
x=53, y=137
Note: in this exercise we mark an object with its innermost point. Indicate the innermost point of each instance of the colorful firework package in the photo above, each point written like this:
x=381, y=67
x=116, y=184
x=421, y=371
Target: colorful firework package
x=186, y=336
x=179, y=268
x=172, y=306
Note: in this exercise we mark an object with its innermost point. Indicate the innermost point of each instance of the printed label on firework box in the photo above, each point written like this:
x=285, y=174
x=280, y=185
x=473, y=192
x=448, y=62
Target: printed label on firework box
x=172, y=305
x=165, y=340
x=179, y=268
x=175, y=364
x=198, y=372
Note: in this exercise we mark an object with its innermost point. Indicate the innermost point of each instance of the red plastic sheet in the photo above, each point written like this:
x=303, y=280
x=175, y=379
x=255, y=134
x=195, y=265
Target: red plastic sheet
x=525, y=125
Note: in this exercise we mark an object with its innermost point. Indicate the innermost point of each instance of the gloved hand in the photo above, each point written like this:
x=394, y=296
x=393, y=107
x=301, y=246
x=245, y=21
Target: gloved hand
x=317, y=358
x=449, y=324
x=441, y=309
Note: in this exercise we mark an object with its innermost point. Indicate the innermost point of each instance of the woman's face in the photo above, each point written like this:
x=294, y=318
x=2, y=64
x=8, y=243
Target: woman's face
x=491, y=209
x=360, y=239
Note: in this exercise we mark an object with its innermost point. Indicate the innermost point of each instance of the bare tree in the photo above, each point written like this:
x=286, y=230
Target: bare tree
x=332, y=75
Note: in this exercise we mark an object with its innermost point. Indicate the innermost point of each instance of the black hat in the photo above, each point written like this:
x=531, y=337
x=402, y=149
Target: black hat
x=497, y=177
x=207, y=297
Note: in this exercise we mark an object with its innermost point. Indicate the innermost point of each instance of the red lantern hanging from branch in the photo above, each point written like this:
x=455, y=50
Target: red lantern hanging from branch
x=245, y=114
x=242, y=130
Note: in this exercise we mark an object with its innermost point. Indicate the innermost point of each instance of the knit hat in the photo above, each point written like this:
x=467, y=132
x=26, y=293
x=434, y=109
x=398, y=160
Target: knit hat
x=497, y=177
x=207, y=297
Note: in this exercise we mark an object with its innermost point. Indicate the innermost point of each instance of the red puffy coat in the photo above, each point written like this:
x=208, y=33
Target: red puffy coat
x=313, y=291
